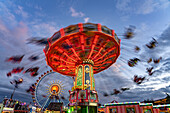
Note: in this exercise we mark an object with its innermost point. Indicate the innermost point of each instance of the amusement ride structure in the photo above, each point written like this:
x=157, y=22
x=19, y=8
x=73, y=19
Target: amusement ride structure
x=49, y=90
x=80, y=51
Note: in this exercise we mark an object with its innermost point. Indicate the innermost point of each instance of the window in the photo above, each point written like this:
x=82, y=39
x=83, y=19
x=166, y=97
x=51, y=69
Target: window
x=92, y=96
x=73, y=96
x=113, y=110
x=82, y=94
x=147, y=111
x=130, y=110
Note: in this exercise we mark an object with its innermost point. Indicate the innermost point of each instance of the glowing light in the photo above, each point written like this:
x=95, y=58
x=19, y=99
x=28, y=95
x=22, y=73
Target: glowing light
x=55, y=88
x=69, y=111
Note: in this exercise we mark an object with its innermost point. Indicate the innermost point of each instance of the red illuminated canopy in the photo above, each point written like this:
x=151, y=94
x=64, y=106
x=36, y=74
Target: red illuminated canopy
x=74, y=44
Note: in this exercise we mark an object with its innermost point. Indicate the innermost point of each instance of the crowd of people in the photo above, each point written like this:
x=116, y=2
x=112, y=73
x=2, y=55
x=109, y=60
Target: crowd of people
x=17, y=105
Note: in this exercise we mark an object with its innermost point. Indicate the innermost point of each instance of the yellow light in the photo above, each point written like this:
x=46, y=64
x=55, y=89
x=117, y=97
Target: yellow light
x=69, y=111
x=55, y=87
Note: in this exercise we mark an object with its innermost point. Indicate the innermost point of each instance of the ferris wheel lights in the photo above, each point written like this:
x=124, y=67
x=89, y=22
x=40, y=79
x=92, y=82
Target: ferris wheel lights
x=20, y=80
x=55, y=88
x=32, y=94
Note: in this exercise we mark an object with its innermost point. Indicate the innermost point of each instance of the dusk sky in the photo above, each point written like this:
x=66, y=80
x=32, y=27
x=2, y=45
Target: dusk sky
x=23, y=19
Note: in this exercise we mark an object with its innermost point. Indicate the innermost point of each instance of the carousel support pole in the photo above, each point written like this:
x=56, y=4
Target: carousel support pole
x=13, y=93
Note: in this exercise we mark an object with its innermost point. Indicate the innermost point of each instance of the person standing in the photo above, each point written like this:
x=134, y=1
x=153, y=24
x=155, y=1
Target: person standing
x=30, y=107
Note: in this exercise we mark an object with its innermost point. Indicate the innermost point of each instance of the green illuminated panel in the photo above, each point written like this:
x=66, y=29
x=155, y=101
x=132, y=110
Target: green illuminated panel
x=93, y=82
x=79, y=76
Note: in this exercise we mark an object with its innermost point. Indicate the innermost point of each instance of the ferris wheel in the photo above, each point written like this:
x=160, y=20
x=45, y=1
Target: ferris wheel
x=51, y=87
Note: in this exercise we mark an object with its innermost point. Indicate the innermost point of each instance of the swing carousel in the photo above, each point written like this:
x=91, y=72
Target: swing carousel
x=80, y=51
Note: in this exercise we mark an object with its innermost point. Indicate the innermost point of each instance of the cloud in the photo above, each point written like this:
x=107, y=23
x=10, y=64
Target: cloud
x=43, y=29
x=17, y=35
x=163, y=47
x=38, y=7
x=3, y=28
x=155, y=86
x=141, y=7
x=143, y=30
x=74, y=13
x=117, y=76
x=21, y=12
x=108, y=80
x=7, y=15
x=147, y=7
x=123, y=5
x=162, y=70
x=21, y=31
x=163, y=4
x=86, y=19
x=13, y=35
x=125, y=18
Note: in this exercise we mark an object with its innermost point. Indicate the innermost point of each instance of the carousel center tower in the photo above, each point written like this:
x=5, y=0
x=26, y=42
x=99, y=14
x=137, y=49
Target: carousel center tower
x=81, y=51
